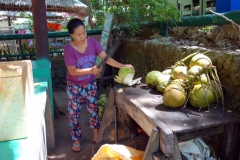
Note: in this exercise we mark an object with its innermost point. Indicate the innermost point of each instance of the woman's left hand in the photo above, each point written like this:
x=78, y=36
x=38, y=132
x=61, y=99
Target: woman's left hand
x=129, y=66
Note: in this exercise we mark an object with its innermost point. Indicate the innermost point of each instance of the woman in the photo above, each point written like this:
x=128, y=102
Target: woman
x=79, y=57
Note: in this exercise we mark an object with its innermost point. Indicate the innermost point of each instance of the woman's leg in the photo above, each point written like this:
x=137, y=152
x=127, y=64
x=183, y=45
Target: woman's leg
x=74, y=108
x=92, y=107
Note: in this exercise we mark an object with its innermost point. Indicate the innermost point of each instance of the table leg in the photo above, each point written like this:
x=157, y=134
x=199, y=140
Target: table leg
x=153, y=144
x=176, y=151
x=108, y=116
x=229, y=142
x=159, y=155
x=116, y=124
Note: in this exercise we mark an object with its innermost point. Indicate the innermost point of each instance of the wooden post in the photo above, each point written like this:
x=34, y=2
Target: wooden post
x=229, y=142
x=176, y=151
x=50, y=133
x=40, y=29
x=153, y=144
x=9, y=21
x=158, y=155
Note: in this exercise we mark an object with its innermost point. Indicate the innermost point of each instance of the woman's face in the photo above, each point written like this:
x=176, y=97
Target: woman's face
x=79, y=35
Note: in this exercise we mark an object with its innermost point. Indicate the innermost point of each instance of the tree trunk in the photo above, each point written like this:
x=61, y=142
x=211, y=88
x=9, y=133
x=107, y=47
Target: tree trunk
x=90, y=15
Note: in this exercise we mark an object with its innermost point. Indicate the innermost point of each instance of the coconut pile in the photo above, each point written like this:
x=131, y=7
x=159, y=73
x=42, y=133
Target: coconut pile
x=196, y=82
x=102, y=100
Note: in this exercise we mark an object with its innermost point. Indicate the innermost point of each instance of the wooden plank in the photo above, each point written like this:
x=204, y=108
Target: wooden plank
x=108, y=115
x=153, y=144
x=199, y=133
x=229, y=142
x=158, y=155
x=146, y=120
x=176, y=153
x=50, y=133
x=105, y=42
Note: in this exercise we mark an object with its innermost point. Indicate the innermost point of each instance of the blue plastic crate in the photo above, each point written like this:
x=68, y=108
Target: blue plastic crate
x=227, y=5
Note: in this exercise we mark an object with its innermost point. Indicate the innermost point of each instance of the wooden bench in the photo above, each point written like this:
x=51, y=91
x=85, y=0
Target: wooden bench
x=166, y=126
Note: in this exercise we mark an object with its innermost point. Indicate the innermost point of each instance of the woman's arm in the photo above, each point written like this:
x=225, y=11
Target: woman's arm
x=80, y=72
x=113, y=62
x=110, y=61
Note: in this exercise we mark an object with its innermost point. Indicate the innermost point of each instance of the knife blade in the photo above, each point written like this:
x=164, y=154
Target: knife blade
x=110, y=52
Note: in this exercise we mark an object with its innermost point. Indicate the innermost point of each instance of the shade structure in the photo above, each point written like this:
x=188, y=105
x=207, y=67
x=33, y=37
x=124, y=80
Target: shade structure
x=69, y=6
x=50, y=15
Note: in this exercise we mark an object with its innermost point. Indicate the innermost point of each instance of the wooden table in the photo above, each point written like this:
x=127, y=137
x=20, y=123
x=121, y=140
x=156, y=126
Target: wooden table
x=166, y=126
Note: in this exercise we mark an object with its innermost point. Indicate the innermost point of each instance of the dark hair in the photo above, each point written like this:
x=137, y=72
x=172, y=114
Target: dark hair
x=74, y=23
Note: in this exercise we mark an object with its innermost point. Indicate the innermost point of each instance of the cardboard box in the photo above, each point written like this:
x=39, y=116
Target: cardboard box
x=16, y=92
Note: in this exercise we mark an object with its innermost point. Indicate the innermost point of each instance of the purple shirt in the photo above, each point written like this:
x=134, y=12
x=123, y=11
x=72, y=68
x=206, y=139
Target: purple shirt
x=82, y=60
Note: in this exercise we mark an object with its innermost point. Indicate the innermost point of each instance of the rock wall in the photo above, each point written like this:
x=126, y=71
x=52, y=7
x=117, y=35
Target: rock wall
x=148, y=55
x=225, y=37
x=59, y=71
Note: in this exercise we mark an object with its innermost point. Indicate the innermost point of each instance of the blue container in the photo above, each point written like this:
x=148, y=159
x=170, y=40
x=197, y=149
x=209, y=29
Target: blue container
x=227, y=5
x=235, y=5
x=223, y=6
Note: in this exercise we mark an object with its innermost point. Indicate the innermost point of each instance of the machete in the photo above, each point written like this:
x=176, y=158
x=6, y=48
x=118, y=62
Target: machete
x=110, y=52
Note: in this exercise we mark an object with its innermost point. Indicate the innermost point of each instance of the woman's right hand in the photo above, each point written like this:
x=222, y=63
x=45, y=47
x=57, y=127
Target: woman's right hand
x=95, y=70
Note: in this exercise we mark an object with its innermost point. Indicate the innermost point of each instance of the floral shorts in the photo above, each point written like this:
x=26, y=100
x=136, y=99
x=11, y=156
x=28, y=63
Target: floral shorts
x=78, y=96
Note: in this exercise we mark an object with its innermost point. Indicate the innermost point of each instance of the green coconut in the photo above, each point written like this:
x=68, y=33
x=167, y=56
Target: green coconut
x=118, y=79
x=163, y=81
x=102, y=95
x=200, y=60
x=99, y=102
x=167, y=71
x=100, y=111
x=100, y=108
x=179, y=72
x=193, y=75
x=178, y=81
x=151, y=78
x=174, y=96
x=194, y=70
x=124, y=71
x=202, y=79
x=104, y=100
x=201, y=96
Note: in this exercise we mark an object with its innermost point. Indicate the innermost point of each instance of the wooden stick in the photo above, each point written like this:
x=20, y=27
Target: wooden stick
x=229, y=20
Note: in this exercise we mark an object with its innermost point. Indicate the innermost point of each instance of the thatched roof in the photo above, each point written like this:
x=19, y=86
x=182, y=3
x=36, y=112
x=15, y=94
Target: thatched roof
x=70, y=6
x=27, y=14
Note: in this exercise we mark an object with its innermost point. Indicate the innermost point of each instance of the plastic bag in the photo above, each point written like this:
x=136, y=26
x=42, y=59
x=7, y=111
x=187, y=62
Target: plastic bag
x=195, y=149
x=117, y=152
